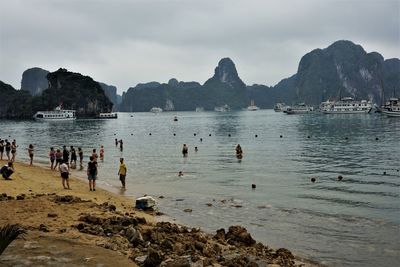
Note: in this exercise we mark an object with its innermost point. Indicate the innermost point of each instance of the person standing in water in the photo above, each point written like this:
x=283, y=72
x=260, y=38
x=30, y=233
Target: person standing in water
x=116, y=142
x=185, y=150
x=239, y=152
x=80, y=153
x=59, y=156
x=30, y=153
x=65, y=155
x=13, y=150
x=8, y=149
x=121, y=144
x=94, y=154
x=102, y=153
x=73, y=157
x=64, y=171
x=52, y=156
x=92, y=174
x=122, y=172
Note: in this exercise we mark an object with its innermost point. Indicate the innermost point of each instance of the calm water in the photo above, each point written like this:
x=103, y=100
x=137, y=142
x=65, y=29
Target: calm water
x=355, y=222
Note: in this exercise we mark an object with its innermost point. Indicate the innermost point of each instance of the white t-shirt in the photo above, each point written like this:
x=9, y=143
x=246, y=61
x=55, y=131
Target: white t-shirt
x=63, y=168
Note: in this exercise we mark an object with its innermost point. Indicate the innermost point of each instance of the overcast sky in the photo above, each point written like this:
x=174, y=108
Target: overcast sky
x=123, y=42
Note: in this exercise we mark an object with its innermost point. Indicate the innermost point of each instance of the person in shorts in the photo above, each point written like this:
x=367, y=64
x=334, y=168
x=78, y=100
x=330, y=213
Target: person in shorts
x=59, y=158
x=64, y=170
x=122, y=172
x=92, y=174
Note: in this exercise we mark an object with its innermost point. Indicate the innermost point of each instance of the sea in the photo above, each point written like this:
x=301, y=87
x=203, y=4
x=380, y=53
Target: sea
x=353, y=222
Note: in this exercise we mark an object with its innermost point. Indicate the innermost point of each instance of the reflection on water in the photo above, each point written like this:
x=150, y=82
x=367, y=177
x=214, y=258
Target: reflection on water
x=354, y=222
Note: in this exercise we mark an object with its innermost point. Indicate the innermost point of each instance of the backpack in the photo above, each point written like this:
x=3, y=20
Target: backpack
x=3, y=169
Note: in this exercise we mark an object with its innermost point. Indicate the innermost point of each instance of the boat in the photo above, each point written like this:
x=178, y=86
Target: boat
x=58, y=114
x=347, y=105
x=169, y=105
x=199, y=109
x=279, y=107
x=300, y=108
x=156, y=110
x=392, y=108
x=108, y=115
x=252, y=106
x=223, y=108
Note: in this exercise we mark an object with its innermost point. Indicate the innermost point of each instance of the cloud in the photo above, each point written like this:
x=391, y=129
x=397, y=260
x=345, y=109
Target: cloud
x=126, y=42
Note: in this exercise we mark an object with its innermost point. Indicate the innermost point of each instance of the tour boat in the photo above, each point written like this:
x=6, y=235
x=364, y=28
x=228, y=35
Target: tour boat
x=223, y=108
x=252, y=107
x=199, y=109
x=156, y=110
x=279, y=107
x=391, y=108
x=58, y=114
x=300, y=108
x=110, y=115
x=346, y=105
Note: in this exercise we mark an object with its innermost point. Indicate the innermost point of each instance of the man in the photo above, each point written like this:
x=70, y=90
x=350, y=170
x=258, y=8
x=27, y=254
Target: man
x=7, y=170
x=92, y=174
x=65, y=154
x=64, y=170
x=122, y=172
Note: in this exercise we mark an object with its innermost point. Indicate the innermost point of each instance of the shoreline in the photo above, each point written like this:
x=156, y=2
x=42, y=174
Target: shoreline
x=109, y=223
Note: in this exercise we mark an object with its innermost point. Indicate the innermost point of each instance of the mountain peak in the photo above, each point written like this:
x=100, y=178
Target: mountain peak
x=226, y=72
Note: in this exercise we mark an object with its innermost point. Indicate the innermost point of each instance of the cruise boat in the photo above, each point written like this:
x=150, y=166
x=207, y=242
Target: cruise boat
x=392, y=108
x=109, y=115
x=252, y=106
x=279, y=107
x=223, y=108
x=300, y=108
x=58, y=114
x=199, y=109
x=156, y=110
x=346, y=105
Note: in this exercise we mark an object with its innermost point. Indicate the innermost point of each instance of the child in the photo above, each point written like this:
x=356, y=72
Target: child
x=102, y=153
x=64, y=170
x=30, y=153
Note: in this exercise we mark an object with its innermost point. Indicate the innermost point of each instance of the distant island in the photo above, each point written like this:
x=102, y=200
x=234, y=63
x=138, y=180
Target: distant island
x=343, y=68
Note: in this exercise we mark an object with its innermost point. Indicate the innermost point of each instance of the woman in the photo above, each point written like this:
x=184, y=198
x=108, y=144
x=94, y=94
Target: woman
x=8, y=149
x=52, y=156
x=1, y=149
x=102, y=153
x=185, y=150
x=94, y=154
x=13, y=150
x=30, y=153
x=73, y=157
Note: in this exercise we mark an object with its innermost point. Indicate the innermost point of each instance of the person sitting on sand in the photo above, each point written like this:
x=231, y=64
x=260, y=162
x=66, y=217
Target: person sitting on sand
x=92, y=174
x=122, y=172
x=64, y=170
x=30, y=153
x=7, y=170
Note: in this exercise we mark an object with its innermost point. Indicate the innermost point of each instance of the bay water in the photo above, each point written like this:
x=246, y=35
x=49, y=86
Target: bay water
x=353, y=222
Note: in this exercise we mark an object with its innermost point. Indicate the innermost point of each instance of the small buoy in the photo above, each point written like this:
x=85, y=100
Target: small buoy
x=376, y=138
x=229, y=135
x=174, y=134
x=194, y=134
x=280, y=136
x=149, y=133
x=313, y=180
x=209, y=135
x=253, y=186
x=340, y=178
x=256, y=136
x=308, y=136
x=384, y=173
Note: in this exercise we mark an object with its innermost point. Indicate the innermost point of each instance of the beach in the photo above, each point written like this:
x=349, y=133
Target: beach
x=78, y=227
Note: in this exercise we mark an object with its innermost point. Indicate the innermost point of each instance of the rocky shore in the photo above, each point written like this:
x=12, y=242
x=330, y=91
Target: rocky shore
x=81, y=228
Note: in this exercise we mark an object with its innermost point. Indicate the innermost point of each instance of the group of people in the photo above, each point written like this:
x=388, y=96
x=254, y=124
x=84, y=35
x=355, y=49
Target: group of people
x=10, y=149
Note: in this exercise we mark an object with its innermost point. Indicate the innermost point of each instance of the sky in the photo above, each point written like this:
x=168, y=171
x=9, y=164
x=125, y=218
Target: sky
x=126, y=42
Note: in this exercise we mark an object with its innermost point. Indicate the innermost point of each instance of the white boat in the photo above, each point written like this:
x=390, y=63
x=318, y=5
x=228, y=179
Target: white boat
x=279, y=107
x=199, y=109
x=110, y=115
x=223, y=108
x=392, y=108
x=252, y=106
x=346, y=105
x=58, y=114
x=156, y=110
x=300, y=108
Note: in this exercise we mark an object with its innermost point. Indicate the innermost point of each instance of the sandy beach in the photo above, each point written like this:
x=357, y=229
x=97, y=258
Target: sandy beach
x=78, y=227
